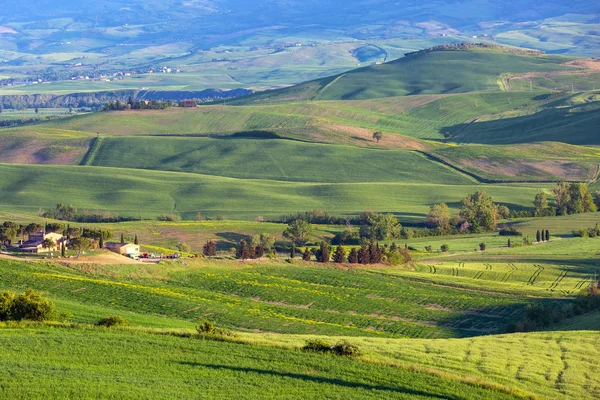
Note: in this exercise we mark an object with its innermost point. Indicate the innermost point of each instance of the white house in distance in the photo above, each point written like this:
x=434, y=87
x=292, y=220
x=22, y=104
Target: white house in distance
x=34, y=243
x=125, y=249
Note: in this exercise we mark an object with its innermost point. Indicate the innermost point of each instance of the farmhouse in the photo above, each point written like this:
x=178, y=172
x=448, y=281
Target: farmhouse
x=34, y=244
x=126, y=249
x=187, y=103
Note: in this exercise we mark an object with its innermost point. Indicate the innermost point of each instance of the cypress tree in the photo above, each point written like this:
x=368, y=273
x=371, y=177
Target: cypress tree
x=547, y=235
x=293, y=252
x=353, y=256
x=509, y=243
x=364, y=256
x=340, y=255
x=538, y=236
x=323, y=254
x=62, y=249
x=101, y=242
x=244, y=251
x=135, y=240
x=122, y=238
x=307, y=254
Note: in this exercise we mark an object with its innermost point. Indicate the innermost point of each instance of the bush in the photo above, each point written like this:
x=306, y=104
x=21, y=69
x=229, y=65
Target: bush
x=317, y=345
x=445, y=248
x=482, y=246
x=208, y=328
x=428, y=249
x=112, y=320
x=29, y=306
x=342, y=348
x=346, y=349
x=509, y=232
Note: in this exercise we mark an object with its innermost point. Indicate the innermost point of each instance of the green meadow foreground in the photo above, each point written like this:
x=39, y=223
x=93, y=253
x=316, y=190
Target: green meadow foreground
x=422, y=334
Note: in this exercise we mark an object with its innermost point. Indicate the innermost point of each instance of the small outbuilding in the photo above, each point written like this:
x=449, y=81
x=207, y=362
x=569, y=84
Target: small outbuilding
x=125, y=249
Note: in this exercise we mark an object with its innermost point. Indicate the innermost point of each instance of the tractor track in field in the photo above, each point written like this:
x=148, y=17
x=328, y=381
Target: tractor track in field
x=535, y=275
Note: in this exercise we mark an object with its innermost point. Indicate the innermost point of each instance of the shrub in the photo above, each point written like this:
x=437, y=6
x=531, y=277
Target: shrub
x=112, y=320
x=317, y=345
x=346, y=349
x=482, y=246
x=445, y=248
x=208, y=328
x=509, y=232
x=29, y=306
x=428, y=249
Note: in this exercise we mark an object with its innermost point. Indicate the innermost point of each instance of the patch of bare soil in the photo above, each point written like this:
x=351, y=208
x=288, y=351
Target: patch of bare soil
x=587, y=63
x=529, y=169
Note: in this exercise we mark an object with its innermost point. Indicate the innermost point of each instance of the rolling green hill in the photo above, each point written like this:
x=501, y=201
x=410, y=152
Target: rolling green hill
x=135, y=193
x=283, y=160
x=437, y=72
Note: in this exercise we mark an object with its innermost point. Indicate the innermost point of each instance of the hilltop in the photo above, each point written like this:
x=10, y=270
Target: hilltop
x=437, y=71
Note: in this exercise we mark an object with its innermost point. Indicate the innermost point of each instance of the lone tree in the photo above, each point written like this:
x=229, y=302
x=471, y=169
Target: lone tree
x=377, y=136
x=135, y=240
x=297, y=231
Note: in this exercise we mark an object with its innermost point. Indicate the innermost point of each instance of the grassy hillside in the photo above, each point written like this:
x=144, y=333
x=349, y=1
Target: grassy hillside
x=578, y=115
x=100, y=363
x=130, y=192
x=283, y=160
x=530, y=162
x=428, y=73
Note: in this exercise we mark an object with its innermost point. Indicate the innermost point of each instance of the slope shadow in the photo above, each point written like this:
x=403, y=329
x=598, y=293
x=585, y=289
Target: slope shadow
x=546, y=125
x=319, y=379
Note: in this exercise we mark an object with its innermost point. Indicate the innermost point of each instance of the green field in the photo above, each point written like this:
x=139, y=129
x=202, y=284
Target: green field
x=283, y=160
x=140, y=193
x=223, y=370
x=282, y=305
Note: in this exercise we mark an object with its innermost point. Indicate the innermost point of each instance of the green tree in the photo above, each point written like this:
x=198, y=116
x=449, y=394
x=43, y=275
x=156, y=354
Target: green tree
x=62, y=249
x=324, y=253
x=439, y=217
x=538, y=236
x=293, y=251
x=562, y=198
x=479, y=211
x=101, y=242
x=135, y=240
x=307, y=254
x=340, y=255
x=377, y=136
x=122, y=238
x=364, y=256
x=81, y=243
x=29, y=305
x=209, y=249
x=244, y=251
x=380, y=226
x=353, y=256
x=298, y=231
x=48, y=244
x=541, y=204
x=547, y=235
x=265, y=241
